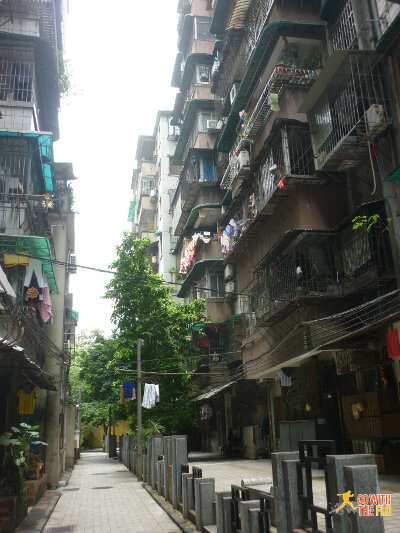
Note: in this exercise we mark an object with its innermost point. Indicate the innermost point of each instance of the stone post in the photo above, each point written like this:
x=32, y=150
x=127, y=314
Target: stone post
x=279, y=488
x=187, y=494
x=179, y=457
x=245, y=521
x=363, y=479
x=219, y=511
x=156, y=450
x=167, y=444
x=292, y=502
x=204, y=502
x=337, y=484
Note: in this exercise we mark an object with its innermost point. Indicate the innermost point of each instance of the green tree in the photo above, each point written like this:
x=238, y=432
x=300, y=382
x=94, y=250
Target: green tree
x=98, y=382
x=145, y=309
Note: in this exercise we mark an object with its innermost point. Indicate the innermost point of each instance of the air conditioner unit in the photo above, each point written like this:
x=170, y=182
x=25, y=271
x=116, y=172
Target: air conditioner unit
x=230, y=289
x=215, y=67
x=229, y=272
x=243, y=160
x=212, y=126
x=234, y=90
x=374, y=117
x=72, y=264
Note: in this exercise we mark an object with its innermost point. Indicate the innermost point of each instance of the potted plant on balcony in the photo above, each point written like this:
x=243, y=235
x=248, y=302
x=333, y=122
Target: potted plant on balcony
x=13, y=497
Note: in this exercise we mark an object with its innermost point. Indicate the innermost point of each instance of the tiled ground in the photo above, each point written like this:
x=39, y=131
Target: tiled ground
x=104, y=497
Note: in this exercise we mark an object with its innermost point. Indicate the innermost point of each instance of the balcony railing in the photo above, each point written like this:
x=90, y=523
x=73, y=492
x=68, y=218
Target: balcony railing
x=282, y=78
x=319, y=265
x=256, y=19
x=350, y=110
x=343, y=31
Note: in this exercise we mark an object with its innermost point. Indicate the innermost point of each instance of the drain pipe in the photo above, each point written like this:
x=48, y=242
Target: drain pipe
x=375, y=20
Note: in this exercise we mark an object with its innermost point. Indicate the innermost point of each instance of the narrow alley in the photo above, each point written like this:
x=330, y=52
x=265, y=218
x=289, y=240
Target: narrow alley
x=102, y=496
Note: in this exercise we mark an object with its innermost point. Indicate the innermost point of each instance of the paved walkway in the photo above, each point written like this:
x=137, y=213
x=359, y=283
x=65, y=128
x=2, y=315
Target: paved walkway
x=102, y=496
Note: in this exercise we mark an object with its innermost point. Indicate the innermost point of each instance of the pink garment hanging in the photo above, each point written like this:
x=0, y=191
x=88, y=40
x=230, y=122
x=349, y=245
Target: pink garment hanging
x=46, y=306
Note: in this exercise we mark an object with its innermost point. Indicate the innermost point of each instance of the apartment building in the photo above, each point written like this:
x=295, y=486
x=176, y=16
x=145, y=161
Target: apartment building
x=37, y=319
x=288, y=115
x=154, y=183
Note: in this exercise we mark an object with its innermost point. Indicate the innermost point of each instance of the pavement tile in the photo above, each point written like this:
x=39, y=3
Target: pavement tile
x=109, y=500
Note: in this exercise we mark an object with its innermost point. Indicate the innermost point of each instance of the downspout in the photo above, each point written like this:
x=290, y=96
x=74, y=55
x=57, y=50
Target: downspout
x=375, y=19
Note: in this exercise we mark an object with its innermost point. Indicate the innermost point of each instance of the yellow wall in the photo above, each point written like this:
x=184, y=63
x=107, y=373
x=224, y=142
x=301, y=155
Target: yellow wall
x=95, y=438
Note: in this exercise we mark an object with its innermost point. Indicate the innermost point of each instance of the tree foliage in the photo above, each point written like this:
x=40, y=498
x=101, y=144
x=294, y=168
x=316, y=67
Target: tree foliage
x=144, y=309
x=90, y=371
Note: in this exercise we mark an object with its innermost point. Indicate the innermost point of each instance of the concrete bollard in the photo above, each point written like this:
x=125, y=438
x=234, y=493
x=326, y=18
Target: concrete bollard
x=219, y=511
x=292, y=502
x=337, y=484
x=363, y=479
x=204, y=489
x=187, y=494
x=279, y=488
x=245, y=520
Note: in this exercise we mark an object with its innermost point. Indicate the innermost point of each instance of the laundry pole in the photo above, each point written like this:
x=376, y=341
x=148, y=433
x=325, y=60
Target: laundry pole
x=139, y=466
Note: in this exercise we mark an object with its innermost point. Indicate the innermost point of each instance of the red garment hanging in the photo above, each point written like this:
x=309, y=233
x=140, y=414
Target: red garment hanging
x=393, y=345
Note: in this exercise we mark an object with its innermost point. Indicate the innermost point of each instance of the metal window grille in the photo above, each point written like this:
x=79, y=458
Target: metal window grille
x=16, y=80
x=344, y=30
x=204, y=73
x=289, y=155
x=339, y=119
x=256, y=18
x=203, y=30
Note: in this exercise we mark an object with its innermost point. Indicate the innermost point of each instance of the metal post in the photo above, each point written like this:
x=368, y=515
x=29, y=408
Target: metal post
x=139, y=465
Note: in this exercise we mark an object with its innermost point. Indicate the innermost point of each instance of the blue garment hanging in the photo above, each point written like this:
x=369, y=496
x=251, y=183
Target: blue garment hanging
x=208, y=169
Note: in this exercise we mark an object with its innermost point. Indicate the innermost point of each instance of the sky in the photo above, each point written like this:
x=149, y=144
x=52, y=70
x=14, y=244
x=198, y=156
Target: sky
x=122, y=55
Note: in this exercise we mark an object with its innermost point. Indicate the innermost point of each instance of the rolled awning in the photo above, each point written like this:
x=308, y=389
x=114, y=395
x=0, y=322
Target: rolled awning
x=238, y=15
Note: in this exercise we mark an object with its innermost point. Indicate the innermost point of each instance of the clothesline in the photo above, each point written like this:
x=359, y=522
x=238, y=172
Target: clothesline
x=173, y=373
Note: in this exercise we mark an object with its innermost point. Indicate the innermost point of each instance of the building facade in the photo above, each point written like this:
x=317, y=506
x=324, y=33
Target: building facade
x=37, y=246
x=286, y=220
x=154, y=183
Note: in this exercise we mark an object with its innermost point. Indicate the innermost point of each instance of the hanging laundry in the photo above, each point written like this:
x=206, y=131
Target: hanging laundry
x=129, y=390
x=122, y=399
x=393, y=345
x=150, y=395
x=286, y=380
x=5, y=285
x=27, y=399
x=34, y=283
x=44, y=306
x=274, y=101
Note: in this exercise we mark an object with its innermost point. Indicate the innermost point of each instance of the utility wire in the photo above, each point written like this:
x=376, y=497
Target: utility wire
x=67, y=264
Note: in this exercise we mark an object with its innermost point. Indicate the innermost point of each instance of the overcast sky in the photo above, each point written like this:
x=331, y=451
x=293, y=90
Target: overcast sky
x=122, y=55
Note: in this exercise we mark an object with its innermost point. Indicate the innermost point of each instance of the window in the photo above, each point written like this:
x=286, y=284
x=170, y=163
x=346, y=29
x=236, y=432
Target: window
x=171, y=193
x=203, y=73
x=203, y=119
x=173, y=131
x=16, y=80
x=216, y=285
x=203, y=29
x=173, y=240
